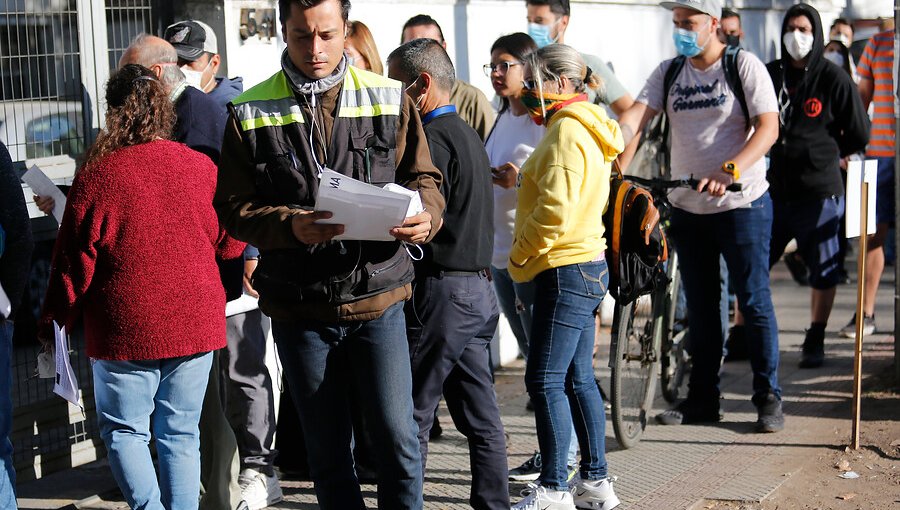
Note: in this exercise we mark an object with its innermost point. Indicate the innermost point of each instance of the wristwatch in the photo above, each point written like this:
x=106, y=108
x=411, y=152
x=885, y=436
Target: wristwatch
x=731, y=168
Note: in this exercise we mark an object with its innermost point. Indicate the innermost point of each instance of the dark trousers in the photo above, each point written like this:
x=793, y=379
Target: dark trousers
x=450, y=323
x=331, y=367
x=742, y=236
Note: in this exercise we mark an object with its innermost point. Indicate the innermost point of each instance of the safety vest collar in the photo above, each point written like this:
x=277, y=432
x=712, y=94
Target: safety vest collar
x=272, y=102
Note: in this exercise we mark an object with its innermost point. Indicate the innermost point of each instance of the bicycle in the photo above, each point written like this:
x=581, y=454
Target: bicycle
x=648, y=336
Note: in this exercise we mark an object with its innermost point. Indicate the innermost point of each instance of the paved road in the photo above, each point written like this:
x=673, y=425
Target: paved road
x=673, y=467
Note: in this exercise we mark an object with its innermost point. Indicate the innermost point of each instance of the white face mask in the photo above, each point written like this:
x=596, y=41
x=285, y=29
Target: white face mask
x=798, y=44
x=192, y=78
x=195, y=78
x=835, y=57
x=842, y=38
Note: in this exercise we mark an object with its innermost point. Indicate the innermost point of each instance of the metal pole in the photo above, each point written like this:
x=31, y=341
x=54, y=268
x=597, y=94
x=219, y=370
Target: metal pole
x=860, y=312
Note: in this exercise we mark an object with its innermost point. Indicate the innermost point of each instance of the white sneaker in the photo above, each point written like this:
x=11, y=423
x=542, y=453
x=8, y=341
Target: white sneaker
x=258, y=489
x=542, y=498
x=595, y=495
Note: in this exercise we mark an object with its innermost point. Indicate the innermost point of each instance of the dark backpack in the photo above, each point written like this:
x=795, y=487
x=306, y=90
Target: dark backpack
x=635, y=244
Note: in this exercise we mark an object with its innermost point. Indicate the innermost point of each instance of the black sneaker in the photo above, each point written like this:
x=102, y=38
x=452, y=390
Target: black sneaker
x=529, y=471
x=798, y=269
x=736, y=344
x=770, y=418
x=813, y=353
x=686, y=413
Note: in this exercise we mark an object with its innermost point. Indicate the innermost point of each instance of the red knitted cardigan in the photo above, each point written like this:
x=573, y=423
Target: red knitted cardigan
x=135, y=257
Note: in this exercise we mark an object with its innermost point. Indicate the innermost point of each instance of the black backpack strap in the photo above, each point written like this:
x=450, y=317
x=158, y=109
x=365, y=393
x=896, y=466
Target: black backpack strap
x=671, y=73
x=733, y=78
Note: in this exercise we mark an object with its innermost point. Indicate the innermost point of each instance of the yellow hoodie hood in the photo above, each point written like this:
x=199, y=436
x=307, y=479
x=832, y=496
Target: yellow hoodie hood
x=605, y=130
x=563, y=190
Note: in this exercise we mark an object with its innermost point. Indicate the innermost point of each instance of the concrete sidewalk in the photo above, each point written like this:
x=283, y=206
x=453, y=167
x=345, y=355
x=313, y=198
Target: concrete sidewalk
x=672, y=467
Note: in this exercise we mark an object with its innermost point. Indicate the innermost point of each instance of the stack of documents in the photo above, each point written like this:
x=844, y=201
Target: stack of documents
x=367, y=212
x=66, y=385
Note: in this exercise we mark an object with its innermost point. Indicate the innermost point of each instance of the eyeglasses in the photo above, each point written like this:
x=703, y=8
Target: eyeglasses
x=501, y=68
x=529, y=84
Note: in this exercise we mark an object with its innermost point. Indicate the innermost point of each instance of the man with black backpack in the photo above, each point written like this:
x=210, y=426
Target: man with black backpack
x=822, y=119
x=723, y=115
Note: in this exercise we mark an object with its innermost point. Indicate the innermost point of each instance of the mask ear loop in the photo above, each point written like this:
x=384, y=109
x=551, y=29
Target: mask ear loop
x=421, y=256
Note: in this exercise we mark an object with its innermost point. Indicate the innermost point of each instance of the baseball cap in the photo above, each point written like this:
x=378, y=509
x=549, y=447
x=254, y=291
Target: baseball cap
x=191, y=39
x=711, y=7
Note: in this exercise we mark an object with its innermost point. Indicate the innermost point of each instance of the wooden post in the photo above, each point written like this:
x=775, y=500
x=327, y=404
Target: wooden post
x=860, y=313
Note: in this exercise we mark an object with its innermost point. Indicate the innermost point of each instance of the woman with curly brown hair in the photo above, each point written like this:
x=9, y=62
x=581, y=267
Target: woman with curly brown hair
x=150, y=318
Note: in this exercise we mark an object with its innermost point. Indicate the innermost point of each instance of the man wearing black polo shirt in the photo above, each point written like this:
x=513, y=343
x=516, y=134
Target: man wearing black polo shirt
x=453, y=313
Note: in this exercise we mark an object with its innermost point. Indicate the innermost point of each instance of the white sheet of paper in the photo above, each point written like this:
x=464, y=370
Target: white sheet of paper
x=5, y=305
x=41, y=185
x=855, y=176
x=415, y=202
x=243, y=304
x=66, y=385
x=367, y=212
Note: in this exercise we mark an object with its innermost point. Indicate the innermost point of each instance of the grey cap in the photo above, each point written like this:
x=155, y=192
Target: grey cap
x=711, y=7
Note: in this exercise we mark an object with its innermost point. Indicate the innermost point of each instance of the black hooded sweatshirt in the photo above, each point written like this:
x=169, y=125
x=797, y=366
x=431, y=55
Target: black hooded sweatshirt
x=824, y=121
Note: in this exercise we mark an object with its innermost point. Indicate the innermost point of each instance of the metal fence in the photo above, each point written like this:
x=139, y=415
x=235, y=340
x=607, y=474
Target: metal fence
x=55, y=56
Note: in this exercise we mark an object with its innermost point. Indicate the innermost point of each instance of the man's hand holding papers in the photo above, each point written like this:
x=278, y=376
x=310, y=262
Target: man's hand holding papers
x=364, y=211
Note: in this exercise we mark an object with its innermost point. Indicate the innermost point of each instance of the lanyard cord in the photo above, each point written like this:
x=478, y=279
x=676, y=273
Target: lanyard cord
x=313, y=129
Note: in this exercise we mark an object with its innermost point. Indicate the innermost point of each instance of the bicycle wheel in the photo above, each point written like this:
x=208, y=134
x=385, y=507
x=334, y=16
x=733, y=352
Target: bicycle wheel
x=635, y=365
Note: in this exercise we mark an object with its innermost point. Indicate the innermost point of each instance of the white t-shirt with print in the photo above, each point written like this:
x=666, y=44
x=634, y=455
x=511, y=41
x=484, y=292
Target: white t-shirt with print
x=512, y=141
x=708, y=127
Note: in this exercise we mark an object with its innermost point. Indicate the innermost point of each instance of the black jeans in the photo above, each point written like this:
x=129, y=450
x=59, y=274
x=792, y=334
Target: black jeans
x=450, y=323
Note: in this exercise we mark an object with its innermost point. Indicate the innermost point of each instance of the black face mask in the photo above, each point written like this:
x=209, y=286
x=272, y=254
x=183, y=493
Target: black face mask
x=733, y=40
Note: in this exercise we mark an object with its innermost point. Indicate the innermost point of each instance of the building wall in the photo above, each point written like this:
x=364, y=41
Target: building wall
x=633, y=35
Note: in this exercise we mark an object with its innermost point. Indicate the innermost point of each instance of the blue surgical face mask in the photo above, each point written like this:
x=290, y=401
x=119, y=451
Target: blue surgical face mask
x=541, y=34
x=686, y=42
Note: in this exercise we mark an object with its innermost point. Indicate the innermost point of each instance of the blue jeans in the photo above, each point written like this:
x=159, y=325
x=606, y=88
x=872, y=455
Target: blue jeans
x=559, y=375
x=7, y=470
x=520, y=321
x=168, y=392
x=508, y=292
x=323, y=362
x=742, y=236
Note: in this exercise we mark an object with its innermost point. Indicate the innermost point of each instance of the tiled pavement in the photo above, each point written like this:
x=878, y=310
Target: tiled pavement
x=675, y=467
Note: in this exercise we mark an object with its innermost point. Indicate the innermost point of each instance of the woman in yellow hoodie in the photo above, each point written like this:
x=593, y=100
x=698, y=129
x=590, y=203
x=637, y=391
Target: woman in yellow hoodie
x=558, y=243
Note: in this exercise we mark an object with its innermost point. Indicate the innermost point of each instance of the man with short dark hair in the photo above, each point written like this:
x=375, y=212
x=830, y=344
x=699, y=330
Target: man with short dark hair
x=715, y=140
x=822, y=120
x=199, y=60
x=547, y=24
x=876, y=87
x=472, y=105
x=453, y=313
x=731, y=30
x=841, y=30
x=336, y=304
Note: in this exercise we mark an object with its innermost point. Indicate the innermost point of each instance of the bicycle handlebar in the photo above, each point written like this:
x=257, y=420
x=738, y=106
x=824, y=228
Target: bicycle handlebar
x=660, y=184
